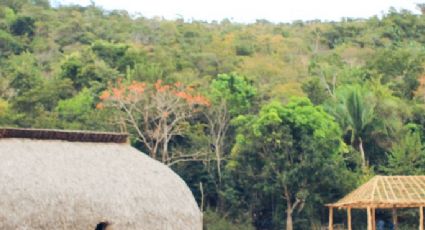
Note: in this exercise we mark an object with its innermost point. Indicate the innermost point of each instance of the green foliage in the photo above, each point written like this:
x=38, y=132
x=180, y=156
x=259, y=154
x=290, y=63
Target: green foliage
x=238, y=92
x=85, y=70
x=316, y=91
x=77, y=105
x=370, y=116
x=333, y=71
x=354, y=109
x=213, y=221
x=401, y=25
x=4, y=107
x=7, y=17
x=5, y=113
x=344, y=32
x=24, y=72
x=23, y=26
x=17, y=5
x=78, y=112
x=145, y=72
x=399, y=65
x=32, y=94
x=244, y=49
x=9, y=44
x=367, y=74
x=407, y=157
x=110, y=53
x=294, y=150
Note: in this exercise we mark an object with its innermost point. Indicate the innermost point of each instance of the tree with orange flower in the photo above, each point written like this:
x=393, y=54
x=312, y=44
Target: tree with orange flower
x=154, y=112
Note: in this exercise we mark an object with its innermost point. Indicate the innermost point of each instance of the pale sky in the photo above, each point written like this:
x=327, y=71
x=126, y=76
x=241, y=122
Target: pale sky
x=249, y=10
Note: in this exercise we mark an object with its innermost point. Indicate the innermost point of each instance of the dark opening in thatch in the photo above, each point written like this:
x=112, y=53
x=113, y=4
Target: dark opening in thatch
x=67, y=135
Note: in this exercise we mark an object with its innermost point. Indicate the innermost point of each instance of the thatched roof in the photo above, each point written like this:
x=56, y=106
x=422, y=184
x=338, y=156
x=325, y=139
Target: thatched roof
x=386, y=192
x=58, y=184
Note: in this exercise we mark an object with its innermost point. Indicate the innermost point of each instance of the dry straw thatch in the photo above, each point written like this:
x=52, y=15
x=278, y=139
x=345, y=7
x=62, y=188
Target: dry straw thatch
x=59, y=184
x=386, y=192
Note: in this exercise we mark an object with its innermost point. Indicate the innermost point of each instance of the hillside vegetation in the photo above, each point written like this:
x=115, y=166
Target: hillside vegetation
x=265, y=122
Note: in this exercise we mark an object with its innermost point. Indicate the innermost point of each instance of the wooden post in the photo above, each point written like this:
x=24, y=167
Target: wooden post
x=373, y=219
x=349, y=218
x=395, y=221
x=331, y=218
x=421, y=218
x=369, y=218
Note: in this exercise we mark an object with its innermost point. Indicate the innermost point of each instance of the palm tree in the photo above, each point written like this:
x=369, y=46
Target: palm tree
x=354, y=109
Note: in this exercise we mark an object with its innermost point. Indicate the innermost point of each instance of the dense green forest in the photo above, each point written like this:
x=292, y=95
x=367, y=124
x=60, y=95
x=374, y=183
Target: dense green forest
x=265, y=122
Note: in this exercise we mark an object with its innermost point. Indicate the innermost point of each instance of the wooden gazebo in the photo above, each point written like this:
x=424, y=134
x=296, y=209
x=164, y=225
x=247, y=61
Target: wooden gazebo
x=384, y=192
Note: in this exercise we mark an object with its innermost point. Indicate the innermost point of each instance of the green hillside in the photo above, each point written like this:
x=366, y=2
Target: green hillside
x=265, y=122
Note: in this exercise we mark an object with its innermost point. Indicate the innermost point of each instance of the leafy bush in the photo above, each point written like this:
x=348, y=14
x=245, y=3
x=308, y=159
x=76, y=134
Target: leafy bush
x=214, y=221
x=23, y=26
x=244, y=49
x=9, y=44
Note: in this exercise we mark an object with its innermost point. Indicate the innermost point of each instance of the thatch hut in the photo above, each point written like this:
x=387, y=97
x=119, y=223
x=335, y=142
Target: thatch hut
x=52, y=179
x=384, y=192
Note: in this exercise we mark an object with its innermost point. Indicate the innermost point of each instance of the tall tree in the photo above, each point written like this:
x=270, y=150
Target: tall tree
x=290, y=150
x=354, y=109
x=370, y=116
x=155, y=112
x=230, y=95
x=407, y=156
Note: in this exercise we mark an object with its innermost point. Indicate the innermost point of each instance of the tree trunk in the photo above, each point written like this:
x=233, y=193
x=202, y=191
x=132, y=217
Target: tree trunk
x=289, y=209
x=165, y=156
x=165, y=143
x=154, y=151
x=289, y=224
x=218, y=156
x=362, y=153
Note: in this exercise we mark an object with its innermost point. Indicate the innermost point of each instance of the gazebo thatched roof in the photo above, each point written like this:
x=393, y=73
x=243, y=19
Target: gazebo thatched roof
x=73, y=180
x=386, y=192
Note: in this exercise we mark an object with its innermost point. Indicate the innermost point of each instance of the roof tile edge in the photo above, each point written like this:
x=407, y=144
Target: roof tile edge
x=65, y=135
